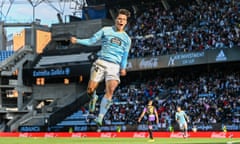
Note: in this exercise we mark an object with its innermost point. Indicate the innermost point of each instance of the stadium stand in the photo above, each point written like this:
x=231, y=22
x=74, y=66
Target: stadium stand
x=77, y=118
x=201, y=26
x=208, y=98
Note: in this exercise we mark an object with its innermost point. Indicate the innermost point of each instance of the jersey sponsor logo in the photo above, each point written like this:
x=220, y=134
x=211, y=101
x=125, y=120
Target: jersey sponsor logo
x=116, y=41
x=150, y=110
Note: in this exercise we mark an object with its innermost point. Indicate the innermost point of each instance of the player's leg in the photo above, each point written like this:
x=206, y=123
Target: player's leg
x=185, y=130
x=91, y=91
x=106, y=100
x=96, y=75
x=150, y=131
x=181, y=126
x=112, y=80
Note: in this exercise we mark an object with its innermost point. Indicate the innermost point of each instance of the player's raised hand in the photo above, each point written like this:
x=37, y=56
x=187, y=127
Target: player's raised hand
x=123, y=72
x=73, y=40
x=158, y=125
x=139, y=120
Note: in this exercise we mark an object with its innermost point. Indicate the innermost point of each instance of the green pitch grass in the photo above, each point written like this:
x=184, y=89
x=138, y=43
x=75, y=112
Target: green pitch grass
x=116, y=141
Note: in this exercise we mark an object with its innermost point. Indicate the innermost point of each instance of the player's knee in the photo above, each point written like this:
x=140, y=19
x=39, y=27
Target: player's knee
x=111, y=90
x=150, y=127
x=90, y=91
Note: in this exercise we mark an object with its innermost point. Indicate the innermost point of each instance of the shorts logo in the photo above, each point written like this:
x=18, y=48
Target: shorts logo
x=96, y=68
x=116, y=41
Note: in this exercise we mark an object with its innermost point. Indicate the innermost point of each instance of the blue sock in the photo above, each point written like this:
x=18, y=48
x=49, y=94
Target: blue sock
x=92, y=102
x=105, y=105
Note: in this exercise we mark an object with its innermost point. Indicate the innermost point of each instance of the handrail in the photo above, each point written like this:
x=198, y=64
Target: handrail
x=13, y=57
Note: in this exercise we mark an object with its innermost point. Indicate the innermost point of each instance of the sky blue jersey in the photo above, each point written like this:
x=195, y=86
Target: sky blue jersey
x=181, y=116
x=115, y=45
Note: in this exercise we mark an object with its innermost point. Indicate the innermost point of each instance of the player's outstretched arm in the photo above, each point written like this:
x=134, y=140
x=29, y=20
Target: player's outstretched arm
x=89, y=41
x=141, y=116
x=186, y=117
x=123, y=64
x=176, y=118
x=73, y=40
x=156, y=115
x=86, y=42
x=123, y=72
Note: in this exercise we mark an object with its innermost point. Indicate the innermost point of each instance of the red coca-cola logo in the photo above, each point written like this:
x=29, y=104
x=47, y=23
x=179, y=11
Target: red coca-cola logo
x=218, y=135
x=139, y=135
x=78, y=135
x=107, y=135
x=176, y=135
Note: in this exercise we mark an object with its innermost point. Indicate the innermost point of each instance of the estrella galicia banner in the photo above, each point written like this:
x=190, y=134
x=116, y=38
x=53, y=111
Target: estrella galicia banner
x=66, y=71
x=51, y=72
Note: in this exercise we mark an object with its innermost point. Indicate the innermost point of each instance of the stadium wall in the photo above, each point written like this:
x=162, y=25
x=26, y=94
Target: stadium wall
x=82, y=29
x=49, y=91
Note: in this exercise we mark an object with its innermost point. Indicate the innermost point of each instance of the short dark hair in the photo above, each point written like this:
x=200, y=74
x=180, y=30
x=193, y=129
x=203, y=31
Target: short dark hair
x=124, y=12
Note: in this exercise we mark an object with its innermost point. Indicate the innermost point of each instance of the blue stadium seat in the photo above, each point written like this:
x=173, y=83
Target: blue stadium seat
x=4, y=54
x=77, y=118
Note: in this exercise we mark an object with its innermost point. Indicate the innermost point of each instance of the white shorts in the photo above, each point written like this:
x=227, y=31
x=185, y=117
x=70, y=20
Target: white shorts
x=102, y=69
x=181, y=125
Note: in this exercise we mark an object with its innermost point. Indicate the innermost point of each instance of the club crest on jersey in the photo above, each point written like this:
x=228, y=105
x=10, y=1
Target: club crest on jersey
x=116, y=41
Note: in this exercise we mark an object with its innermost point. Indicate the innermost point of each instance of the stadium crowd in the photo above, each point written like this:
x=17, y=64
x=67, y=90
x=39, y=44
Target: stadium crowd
x=209, y=25
x=206, y=98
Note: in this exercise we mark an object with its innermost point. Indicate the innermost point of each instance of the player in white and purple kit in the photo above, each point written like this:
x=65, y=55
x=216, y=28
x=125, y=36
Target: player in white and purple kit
x=152, y=115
